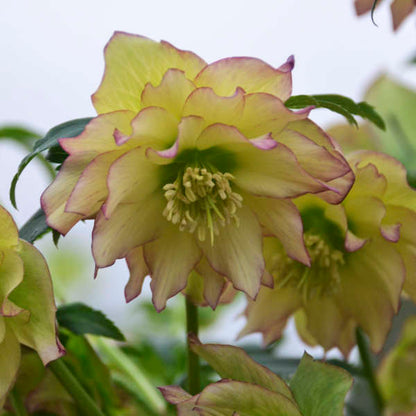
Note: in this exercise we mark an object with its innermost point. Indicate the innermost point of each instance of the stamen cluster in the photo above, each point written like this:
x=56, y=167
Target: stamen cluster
x=200, y=201
x=321, y=279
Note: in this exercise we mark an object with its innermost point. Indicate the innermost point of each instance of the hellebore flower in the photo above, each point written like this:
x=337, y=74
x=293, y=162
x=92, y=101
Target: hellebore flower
x=361, y=253
x=250, y=389
x=27, y=308
x=400, y=9
x=184, y=165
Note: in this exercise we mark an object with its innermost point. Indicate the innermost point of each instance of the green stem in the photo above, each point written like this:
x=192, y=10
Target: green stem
x=134, y=375
x=74, y=388
x=194, y=383
x=16, y=401
x=368, y=370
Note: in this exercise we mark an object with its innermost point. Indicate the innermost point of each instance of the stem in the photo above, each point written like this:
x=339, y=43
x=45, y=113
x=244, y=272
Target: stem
x=74, y=388
x=194, y=384
x=366, y=361
x=16, y=401
x=136, y=378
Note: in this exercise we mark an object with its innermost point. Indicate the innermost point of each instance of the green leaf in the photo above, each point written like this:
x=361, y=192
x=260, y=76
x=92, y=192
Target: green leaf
x=234, y=363
x=319, y=388
x=229, y=397
x=69, y=129
x=338, y=104
x=35, y=227
x=396, y=103
x=20, y=134
x=81, y=319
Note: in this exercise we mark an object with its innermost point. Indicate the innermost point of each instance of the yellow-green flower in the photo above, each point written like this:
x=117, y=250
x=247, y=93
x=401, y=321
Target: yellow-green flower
x=400, y=9
x=362, y=252
x=188, y=164
x=27, y=308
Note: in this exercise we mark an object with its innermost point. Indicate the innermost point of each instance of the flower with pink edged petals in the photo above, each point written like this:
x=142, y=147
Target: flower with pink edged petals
x=187, y=165
x=27, y=308
x=362, y=253
x=400, y=9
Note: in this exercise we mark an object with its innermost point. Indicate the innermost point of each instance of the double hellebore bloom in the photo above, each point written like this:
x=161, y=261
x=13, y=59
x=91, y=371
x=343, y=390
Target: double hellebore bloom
x=188, y=164
x=362, y=252
x=400, y=9
x=27, y=308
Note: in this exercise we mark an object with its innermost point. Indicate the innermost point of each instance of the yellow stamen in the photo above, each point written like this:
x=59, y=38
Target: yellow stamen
x=199, y=201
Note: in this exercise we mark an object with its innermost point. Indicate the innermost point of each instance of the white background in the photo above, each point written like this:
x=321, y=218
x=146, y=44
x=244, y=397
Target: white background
x=51, y=61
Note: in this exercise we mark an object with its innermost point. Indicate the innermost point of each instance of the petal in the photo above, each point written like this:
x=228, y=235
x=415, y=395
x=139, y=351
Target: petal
x=9, y=235
x=270, y=312
x=98, y=135
x=398, y=191
x=90, y=191
x=138, y=271
x=55, y=197
x=400, y=9
x=205, y=103
x=130, y=226
x=237, y=253
x=170, y=94
x=189, y=130
x=11, y=276
x=365, y=222
x=250, y=74
x=372, y=280
x=154, y=126
x=271, y=172
x=310, y=144
x=325, y=320
x=132, y=179
x=265, y=113
x=363, y=6
x=9, y=362
x=205, y=285
x=228, y=397
x=282, y=219
x=133, y=61
x=170, y=259
x=35, y=294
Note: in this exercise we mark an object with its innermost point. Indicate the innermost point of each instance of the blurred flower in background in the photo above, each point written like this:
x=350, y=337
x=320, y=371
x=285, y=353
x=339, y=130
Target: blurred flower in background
x=361, y=253
x=400, y=9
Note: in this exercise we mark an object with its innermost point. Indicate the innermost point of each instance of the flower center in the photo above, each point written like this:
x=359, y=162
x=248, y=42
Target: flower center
x=321, y=279
x=201, y=201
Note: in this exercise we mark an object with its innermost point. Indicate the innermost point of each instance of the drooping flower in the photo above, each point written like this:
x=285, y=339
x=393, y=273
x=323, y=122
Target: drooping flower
x=250, y=389
x=400, y=9
x=27, y=308
x=187, y=164
x=362, y=252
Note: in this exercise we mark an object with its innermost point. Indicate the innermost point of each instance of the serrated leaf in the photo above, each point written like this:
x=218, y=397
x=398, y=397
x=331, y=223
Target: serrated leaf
x=35, y=227
x=68, y=129
x=320, y=388
x=234, y=363
x=82, y=319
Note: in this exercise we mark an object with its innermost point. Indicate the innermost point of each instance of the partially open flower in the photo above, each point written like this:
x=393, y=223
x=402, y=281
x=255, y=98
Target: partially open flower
x=188, y=164
x=27, y=308
x=362, y=252
x=400, y=9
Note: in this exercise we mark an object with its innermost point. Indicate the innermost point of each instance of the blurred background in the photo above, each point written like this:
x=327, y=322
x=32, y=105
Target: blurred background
x=52, y=61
